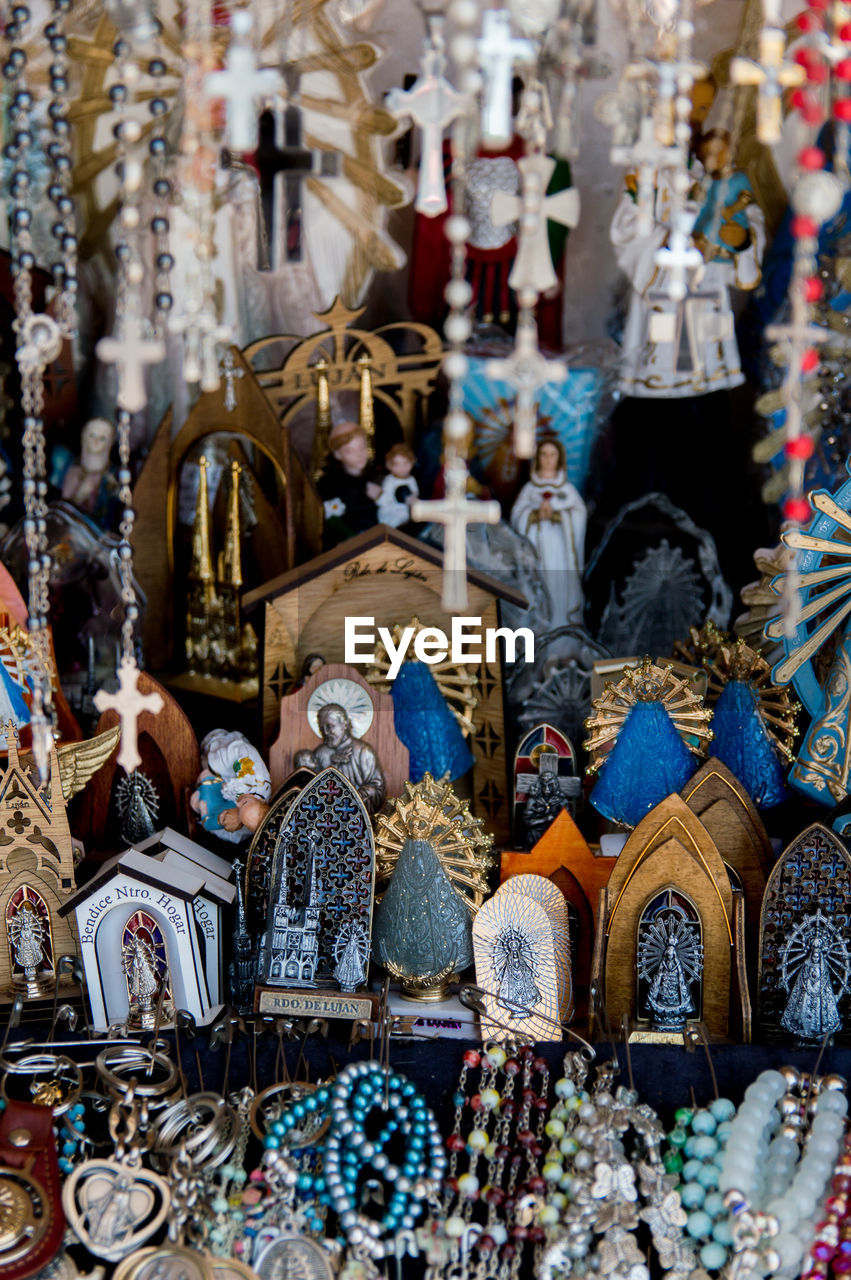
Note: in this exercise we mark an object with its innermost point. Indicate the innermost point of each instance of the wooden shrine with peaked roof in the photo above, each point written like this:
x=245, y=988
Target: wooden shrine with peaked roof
x=37, y=873
x=257, y=432
x=393, y=578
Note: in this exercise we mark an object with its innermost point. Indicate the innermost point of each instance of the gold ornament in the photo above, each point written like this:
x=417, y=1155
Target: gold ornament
x=777, y=708
x=648, y=682
x=431, y=811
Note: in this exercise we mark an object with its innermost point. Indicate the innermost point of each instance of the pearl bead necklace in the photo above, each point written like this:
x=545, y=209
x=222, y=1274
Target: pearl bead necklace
x=361, y=1090
x=770, y=1188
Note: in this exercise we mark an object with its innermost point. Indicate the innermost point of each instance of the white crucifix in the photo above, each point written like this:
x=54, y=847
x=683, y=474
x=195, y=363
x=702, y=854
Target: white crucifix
x=455, y=512
x=527, y=371
x=432, y=103
x=533, y=266
x=770, y=72
x=129, y=703
x=648, y=156
x=498, y=52
x=201, y=333
x=680, y=255
x=231, y=372
x=130, y=353
x=241, y=83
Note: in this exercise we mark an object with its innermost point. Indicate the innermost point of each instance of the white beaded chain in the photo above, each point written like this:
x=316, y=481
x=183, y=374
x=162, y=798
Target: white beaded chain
x=774, y=1178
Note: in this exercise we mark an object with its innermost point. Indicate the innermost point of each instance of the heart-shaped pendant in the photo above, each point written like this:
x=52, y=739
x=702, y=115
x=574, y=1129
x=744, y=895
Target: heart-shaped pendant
x=114, y=1208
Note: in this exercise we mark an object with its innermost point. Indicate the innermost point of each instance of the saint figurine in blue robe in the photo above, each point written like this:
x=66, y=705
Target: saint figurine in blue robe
x=648, y=762
x=427, y=726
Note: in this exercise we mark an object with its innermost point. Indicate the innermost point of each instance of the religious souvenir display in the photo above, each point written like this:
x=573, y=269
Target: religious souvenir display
x=118, y=808
x=349, y=591
x=142, y=912
x=644, y=735
x=435, y=857
x=337, y=719
x=804, y=963
x=753, y=722
x=545, y=782
x=388, y=577
x=319, y=915
x=666, y=951
x=516, y=966
x=38, y=862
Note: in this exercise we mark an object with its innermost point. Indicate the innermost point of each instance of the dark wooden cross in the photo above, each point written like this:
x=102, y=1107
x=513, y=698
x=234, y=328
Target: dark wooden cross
x=282, y=170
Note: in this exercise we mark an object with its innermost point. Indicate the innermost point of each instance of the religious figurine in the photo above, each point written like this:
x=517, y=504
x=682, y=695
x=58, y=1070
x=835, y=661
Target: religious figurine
x=399, y=487
x=90, y=482
x=436, y=859
x=340, y=748
x=545, y=800
x=139, y=962
x=27, y=934
x=643, y=736
x=514, y=965
x=686, y=347
x=816, y=969
x=427, y=726
x=670, y=958
x=347, y=486
x=550, y=512
x=422, y=927
x=233, y=773
x=351, y=953
x=753, y=722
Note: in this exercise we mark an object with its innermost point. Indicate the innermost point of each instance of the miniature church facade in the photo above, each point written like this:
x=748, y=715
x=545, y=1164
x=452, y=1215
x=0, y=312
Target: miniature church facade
x=289, y=950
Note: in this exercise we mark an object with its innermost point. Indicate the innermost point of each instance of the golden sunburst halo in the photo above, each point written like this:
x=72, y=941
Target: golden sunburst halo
x=454, y=680
x=430, y=810
x=777, y=708
x=648, y=682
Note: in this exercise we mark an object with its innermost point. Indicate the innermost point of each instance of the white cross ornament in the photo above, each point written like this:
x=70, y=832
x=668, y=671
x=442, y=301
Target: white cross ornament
x=498, y=52
x=432, y=103
x=533, y=266
x=455, y=512
x=770, y=72
x=680, y=255
x=131, y=353
x=241, y=84
x=527, y=371
x=201, y=332
x=649, y=156
x=129, y=703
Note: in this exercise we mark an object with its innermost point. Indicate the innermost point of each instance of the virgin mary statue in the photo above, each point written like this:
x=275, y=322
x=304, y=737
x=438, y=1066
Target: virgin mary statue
x=550, y=512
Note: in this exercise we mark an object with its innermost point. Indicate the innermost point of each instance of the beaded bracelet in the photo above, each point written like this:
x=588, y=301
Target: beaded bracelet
x=701, y=1135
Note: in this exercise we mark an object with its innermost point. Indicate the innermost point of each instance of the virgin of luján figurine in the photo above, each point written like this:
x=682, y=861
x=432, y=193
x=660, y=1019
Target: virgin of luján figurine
x=422, y=929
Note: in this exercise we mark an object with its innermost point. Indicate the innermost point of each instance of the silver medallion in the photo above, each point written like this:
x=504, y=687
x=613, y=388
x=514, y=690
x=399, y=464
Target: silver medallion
x=114, y=1208
x=290, y=1256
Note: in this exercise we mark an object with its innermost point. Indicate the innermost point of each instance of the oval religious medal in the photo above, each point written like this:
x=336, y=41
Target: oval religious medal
x=165, y=1262
x=23, y=1217
x=292, y=1255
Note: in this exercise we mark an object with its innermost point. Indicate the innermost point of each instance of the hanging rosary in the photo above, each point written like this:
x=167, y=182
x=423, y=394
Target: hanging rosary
x=39, y=337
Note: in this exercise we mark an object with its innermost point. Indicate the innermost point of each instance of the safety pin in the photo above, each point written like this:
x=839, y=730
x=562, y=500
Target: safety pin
x=471, y=995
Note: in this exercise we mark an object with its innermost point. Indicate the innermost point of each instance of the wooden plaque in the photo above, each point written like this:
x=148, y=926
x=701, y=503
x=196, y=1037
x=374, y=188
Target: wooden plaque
x=296, y=734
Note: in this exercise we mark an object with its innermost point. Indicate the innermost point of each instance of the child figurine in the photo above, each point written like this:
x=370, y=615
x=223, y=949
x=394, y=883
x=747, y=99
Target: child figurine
x=346, y=485
x=234, y=782
x=398, y=488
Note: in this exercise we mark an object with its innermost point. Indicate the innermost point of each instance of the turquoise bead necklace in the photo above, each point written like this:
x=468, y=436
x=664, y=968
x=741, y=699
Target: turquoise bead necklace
x=695, y=1151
